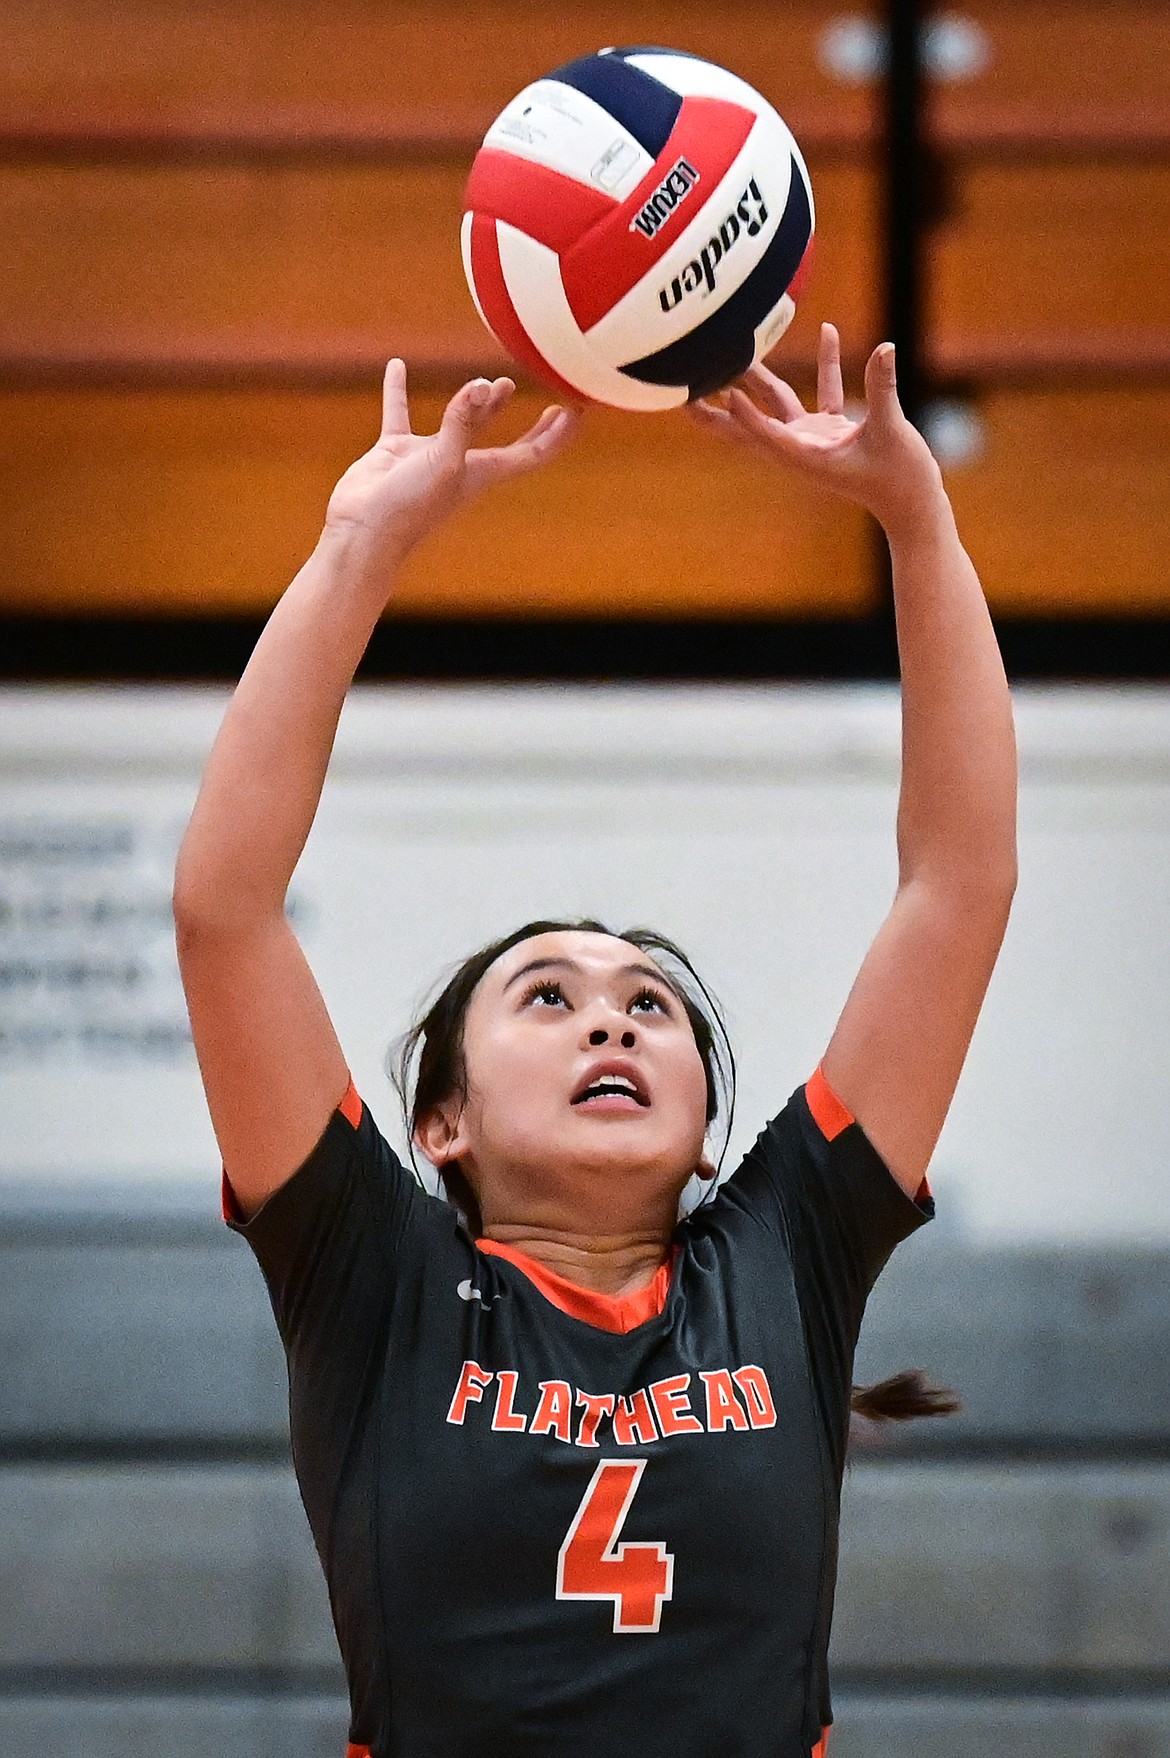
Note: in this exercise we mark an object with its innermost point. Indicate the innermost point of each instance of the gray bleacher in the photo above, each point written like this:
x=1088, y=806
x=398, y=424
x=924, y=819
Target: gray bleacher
x=1005, y=1577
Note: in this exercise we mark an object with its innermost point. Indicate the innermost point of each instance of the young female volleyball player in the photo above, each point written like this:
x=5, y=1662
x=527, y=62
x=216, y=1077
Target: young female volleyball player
x=573, y=1468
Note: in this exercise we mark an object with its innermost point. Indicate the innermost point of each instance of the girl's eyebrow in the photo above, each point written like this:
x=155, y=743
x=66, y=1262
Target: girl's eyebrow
x=570, y=964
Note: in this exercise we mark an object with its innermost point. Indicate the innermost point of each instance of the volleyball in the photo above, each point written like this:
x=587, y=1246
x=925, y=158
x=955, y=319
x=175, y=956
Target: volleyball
x=636, y=228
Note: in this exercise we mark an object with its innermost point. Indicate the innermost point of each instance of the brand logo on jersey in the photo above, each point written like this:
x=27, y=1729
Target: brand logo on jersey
x=725, y=1398
x=748, y=216
x=467, y=1290
x=670, y=194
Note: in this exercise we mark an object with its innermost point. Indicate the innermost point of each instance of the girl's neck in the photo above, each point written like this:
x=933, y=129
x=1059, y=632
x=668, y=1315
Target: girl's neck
x=605, y=1264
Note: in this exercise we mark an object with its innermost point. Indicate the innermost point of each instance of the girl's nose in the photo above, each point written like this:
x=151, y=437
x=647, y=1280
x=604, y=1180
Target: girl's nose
x=601, y=1036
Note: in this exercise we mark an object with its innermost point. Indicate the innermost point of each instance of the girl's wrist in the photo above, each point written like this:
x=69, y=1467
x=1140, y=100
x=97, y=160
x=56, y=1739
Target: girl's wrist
x=361, y=557
x=919, y=507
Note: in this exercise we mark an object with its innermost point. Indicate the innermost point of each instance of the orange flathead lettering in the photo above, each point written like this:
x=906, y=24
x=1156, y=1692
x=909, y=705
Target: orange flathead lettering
x=753, y=1383
x=554, y=1412
x=506, y=1420
x=633, y=1420
x=673, y=1407
x=470, y=1390
x=596, y=1405
x=724, y=1409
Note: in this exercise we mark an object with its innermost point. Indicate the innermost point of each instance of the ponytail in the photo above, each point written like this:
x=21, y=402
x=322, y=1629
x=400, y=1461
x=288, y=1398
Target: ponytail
x=902, y=1397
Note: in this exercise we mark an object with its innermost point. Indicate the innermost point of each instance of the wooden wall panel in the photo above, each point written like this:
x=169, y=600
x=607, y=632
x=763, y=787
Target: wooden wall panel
x=296, y=263
x=172, y=62
x=1083, y=67
x=1068, y=512
x=238, y=261
x=1034, y=253
x=208, y=504
x=1070, y=70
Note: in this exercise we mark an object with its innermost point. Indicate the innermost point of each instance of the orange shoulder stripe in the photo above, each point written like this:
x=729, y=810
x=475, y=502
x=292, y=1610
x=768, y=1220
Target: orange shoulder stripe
x=831, y=1117
x=829, y=1114
x=351, y=1105
x=227, y=1198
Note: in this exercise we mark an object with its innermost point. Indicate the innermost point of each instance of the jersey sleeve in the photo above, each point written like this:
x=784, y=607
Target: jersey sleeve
x=329, y=1243
x=814, y=1177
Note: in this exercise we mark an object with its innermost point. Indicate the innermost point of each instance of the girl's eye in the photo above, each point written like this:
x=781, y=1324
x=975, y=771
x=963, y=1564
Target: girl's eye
x=646, y=999
x=548, y=994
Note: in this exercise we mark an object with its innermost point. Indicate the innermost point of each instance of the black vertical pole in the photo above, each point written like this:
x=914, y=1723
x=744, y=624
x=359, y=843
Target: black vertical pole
x=902, y=219
x=904, y=186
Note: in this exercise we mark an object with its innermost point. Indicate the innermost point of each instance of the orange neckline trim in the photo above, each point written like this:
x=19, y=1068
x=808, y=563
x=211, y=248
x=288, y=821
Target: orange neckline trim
x=618, y=1313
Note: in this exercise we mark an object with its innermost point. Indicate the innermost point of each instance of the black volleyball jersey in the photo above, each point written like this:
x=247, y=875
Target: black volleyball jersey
x=556, y=1524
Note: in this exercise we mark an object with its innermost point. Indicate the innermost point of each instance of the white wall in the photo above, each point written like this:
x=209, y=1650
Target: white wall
x=755, y=825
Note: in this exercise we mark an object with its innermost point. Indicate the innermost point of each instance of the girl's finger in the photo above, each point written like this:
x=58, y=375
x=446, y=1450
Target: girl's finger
x=395, y=410
x=548, y=419
x=543, y=442
x=830, y=388
x=746, y=414
x=544, y=439
x=472, y=406
x=544, y=421
x=776, y=394
x=765, y=433
x=714, y=419
x=724, y=427
x=543, y=425
x=881, y=387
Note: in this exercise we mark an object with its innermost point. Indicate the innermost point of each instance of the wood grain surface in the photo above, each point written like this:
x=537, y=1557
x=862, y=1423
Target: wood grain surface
x=209, y=503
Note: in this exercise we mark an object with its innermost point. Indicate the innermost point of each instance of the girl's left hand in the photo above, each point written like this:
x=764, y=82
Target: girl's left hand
x=880, y=461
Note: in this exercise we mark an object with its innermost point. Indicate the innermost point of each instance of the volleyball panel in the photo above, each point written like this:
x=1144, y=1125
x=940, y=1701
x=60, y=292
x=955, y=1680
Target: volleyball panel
x=725, y=344
x=495, y=299
x=631, y=95
x=465, y=230
x=718, y=248
x=687, y=75
x=767, y=333
x=610, y=258
x=553, y=124
x=532, y=279
x=548, y=205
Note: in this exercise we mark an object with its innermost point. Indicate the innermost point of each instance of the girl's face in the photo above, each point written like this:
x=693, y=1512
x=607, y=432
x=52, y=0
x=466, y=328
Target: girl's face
x=584, y=1079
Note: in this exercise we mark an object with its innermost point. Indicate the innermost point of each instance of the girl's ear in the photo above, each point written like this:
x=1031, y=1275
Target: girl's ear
x=705, y=1170
x=439, y=1136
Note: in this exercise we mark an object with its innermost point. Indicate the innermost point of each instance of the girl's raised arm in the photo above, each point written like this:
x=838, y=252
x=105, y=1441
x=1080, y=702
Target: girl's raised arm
x=895, y=1057
x=272, y=1067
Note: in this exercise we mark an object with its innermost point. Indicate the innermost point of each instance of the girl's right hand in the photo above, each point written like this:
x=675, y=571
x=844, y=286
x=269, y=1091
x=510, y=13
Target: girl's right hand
x=408, y=483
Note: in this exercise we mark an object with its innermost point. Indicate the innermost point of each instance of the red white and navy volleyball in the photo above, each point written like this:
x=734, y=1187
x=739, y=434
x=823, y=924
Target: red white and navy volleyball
x=636, y=226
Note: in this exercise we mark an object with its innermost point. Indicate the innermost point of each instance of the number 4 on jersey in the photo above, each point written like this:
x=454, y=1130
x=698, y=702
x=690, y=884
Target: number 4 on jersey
x=593, y=1565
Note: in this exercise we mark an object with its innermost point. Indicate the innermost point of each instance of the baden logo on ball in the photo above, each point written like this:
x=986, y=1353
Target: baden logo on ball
x=609, y=191
x=701, y=271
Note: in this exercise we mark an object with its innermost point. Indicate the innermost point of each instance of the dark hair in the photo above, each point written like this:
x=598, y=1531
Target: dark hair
x=430, y=1066
x=903, y=1396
